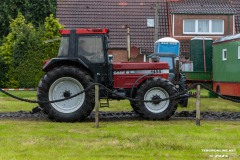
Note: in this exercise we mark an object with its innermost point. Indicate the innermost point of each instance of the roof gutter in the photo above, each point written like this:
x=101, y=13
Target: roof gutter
x=194, y=13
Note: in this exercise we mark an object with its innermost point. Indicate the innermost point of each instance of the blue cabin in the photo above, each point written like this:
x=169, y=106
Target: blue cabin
x=167, y=48
x=167, y=45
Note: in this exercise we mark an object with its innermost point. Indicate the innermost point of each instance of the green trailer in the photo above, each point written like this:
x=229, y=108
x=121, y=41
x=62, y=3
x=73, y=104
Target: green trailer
x=226, y=65
x=198, y=76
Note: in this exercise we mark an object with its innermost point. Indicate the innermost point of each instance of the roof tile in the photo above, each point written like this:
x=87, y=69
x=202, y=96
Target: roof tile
x=115, y=14
x=236, y=5
x=202, y=7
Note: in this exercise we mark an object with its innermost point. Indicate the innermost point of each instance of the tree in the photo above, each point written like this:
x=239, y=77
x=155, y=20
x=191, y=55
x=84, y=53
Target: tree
x=51, y=31
x=35, y=11
x=23, y=51
x=18, y=28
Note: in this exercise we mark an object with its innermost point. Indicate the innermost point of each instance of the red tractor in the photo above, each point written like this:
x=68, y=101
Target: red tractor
x=83, y=60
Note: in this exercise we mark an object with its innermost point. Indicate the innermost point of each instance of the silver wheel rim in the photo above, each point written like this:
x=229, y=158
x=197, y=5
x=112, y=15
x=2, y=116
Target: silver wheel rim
x=156, y=92
x=66, y=87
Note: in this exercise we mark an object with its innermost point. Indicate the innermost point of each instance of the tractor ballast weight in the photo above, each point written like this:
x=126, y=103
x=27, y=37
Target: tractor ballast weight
x=82, y=60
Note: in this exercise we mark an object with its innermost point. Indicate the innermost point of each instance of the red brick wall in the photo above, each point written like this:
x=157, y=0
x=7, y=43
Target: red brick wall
x=120, y=55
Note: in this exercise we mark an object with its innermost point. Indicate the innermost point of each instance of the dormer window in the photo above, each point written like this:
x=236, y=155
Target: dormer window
x=202, y=26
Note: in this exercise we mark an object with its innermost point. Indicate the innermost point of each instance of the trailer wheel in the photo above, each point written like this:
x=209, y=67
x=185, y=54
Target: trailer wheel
x=63, y=82
x=156, y=89
x=218, y=89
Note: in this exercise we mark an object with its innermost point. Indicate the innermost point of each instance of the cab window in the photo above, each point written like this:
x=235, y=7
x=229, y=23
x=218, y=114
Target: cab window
x=63, y=49
x=91, y=47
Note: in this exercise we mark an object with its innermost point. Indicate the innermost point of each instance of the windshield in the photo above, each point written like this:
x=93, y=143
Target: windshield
x=91, y=47
x=63, y=49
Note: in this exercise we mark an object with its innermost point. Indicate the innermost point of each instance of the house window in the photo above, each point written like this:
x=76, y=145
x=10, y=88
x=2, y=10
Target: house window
x=238, y=52
x=202, y=26
x=217, y=26
x=189, y=26
x=150, y=22
x=224, y=54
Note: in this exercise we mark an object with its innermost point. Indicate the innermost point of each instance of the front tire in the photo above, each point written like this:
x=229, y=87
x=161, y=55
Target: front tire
x=156, y=89
x=64, y=82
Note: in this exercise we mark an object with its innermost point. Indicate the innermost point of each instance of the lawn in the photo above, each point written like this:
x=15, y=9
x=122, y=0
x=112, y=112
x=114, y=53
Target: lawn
x=118, y=140
x=138, y=139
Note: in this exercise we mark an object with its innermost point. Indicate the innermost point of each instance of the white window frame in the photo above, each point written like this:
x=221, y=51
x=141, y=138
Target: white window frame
x=210, y=27
x=224, y=56
x=238, y=52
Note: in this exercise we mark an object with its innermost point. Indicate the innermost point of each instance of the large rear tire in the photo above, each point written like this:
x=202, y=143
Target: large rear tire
x=134, y=107
x=156, y=89
x=64, y=82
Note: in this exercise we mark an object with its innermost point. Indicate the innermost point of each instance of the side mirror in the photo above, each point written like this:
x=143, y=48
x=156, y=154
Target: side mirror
x=110, y=58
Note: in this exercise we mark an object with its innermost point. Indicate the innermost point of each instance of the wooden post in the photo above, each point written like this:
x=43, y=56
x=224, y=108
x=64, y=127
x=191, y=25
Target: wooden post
x=97, y=78
x=128, y=44
x=198, y=105
x=97, y=105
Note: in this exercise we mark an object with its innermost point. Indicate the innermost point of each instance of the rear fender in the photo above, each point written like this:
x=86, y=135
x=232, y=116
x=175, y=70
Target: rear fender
x=56, y=62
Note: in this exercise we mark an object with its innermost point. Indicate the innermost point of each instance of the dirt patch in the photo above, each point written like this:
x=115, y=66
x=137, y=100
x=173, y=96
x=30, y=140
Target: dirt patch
x=114, y=116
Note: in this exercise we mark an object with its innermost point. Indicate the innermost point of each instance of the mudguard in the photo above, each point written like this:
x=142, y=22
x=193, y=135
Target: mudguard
x=49, y=64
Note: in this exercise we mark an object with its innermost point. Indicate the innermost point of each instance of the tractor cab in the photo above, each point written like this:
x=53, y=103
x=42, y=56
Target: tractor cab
x=85, y=47
x=89, y=44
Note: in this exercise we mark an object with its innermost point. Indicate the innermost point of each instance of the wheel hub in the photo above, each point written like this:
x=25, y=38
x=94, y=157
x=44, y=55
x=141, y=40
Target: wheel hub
x=67, y=94
x=156, y=94
x=156, y=99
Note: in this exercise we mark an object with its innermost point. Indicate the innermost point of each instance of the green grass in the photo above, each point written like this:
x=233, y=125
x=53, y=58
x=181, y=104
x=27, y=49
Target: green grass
x=117, y=140
x=8, y=104
x=140, y=140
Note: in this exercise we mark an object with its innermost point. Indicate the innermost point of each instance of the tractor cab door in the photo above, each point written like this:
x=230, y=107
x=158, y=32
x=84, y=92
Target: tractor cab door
x=91, y=50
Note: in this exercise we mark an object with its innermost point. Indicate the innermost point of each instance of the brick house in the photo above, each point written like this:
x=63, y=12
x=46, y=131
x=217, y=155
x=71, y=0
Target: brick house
x=149, y=20
x=201, y=18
